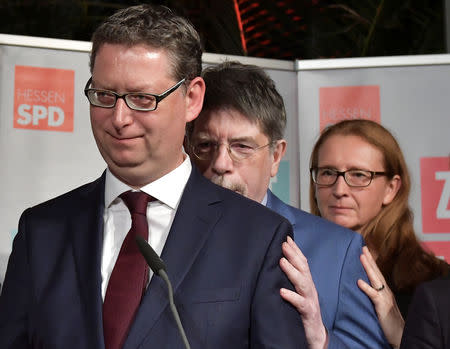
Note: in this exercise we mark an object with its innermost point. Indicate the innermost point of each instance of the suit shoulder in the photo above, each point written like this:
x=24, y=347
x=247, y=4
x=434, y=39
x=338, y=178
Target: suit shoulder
x=252, y=206
x=241, y=207
x=67, y=200
x=303, y=220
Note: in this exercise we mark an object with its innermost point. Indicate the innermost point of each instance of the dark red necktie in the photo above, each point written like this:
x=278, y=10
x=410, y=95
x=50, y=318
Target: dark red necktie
x=129, y=277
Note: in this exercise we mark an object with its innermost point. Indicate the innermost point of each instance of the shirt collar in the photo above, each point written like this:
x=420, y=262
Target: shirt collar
x=264, y=200
x=167, y=189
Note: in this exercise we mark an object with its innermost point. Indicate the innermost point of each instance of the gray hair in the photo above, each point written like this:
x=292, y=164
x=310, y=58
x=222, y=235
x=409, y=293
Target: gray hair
x=248, y=90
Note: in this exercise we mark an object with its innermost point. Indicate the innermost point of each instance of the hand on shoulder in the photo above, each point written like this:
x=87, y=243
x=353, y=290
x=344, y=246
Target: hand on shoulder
x=305, y=299
x=380, y=294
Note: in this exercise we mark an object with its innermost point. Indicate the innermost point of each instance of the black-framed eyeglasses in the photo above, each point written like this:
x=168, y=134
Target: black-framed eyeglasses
x=238, y=151
x=354, y=178
x=134, y=100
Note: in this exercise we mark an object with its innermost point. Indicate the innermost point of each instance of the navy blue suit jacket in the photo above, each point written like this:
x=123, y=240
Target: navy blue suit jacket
x=222, y=256
x=333, y=258
x=428, y=322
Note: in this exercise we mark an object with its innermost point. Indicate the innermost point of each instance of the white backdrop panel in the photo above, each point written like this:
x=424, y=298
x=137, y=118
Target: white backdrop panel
x=414, y=104
x=40, y=164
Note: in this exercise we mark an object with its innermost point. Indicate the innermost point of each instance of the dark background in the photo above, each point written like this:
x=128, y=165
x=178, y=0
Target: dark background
x=285, y=29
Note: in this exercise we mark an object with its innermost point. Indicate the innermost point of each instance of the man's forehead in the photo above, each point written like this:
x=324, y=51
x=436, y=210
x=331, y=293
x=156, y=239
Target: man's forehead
x=228, y=121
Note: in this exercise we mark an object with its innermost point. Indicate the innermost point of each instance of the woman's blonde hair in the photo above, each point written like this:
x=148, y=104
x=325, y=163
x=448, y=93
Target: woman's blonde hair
x=401, y=259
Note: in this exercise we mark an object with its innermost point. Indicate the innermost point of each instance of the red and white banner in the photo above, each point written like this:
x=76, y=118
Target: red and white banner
x=43, y=98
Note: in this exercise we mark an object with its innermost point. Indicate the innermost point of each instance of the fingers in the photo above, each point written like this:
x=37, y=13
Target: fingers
x=388, y=314
x=294, y=298
x=368, y=290
x=294, y=255
x=374, y=274
x=294, y=246
x=295, y=266
x=315, y=331
x=306, y=307
x=378, y=291
x=294, y=275
x=305, y=300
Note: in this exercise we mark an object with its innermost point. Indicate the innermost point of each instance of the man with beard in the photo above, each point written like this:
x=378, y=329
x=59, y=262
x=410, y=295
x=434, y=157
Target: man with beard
x=237, y=142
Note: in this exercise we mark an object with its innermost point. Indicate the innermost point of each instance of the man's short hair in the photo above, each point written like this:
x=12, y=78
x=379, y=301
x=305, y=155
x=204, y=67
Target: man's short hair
x=157, y=27
x=248, y=90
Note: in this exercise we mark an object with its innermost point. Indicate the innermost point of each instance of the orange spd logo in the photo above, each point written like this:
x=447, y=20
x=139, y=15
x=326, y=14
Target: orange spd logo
x=348, y=102
x=43, y=98
x=435, y=188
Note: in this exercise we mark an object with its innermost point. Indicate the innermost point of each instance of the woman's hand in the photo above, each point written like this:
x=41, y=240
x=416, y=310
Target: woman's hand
x=389, y=315
x=306, y=301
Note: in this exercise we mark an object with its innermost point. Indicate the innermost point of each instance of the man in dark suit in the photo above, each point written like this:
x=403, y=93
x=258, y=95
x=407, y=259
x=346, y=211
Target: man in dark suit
x=428, y=323
x=75, y=278
x=237, y=142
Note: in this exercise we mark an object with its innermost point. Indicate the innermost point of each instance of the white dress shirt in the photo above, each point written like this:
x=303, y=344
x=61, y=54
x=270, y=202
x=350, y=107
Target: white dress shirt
x=167, y=191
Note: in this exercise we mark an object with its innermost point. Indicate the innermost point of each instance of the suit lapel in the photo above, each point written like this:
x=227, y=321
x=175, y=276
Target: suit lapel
x=87, y=236
x=196, y=215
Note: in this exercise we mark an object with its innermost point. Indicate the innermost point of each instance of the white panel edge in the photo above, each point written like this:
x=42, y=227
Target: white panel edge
x=372, y=62
x=266, y=63
x=85, y=46
x=50, y=43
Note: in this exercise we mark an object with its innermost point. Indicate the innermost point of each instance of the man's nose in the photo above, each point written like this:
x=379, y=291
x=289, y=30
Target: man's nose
x=121, y=114
x=221, y=161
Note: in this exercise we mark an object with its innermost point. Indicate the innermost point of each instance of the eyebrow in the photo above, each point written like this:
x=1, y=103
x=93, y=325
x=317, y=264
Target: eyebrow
x=348, y=169
x=133, y=90
x=205, y=136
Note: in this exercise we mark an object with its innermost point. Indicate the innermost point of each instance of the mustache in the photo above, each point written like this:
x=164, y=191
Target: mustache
x=229, y=184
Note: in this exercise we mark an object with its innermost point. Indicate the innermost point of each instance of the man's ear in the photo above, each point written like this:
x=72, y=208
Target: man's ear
x=277, y=154
x=194, y=98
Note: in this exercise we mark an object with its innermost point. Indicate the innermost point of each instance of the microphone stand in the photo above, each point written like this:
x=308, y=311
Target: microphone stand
x=165, y=277
x=159, y=268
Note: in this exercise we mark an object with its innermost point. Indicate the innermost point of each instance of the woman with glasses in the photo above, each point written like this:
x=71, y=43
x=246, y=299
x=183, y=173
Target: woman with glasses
x=359, y=180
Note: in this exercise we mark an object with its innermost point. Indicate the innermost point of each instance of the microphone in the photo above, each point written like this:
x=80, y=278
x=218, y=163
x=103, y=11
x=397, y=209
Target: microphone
x=157, y=265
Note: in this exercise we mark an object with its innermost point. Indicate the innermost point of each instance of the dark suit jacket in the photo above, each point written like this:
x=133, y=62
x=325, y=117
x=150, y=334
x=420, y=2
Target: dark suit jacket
x=333, y=258
x=428, y=322
x=222, y=256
